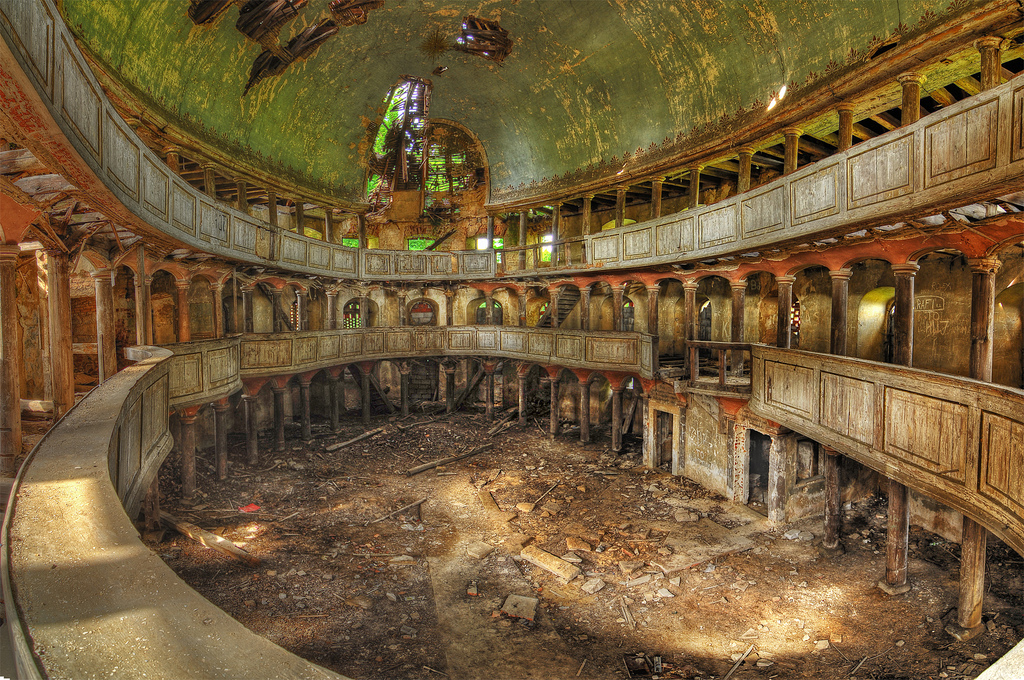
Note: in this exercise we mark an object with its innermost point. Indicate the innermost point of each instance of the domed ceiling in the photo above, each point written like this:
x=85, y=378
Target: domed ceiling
x=587, y=81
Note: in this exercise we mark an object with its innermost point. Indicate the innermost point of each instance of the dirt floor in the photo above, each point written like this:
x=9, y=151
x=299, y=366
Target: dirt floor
x=676, y=572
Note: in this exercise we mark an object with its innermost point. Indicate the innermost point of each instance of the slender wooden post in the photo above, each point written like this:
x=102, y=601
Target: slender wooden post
x=776, y=480
x=991, y=75
x=903, y=333
x=10, y=362
x=746, y=153
x=616, y=418
x=276, y=295
x=328, y=224
x=278, y=391
x=897, y=540
x=489, y=378
x=184, y=318
x=784, y=331
x=220, y=423
x=62, y=369
x=833, y=502
x=252, y=452
x=845, y=126
x=694, y=190
x=242, y=199
x=173, y=159
x=588, y=214
x=272, y=207
x=105, y=333
x=209, y=181
x=449, y=386
x=656, y=185
x=489, y=307
x=332, y=310
x=522, y=399
x=792, y=146
x=585, y=309
x=840, y=302
x=302, y=318
x=404, y=369
x=584, y=411
x=523, y=219
x=617, y=293
x=522, y=309
x=554, y=407
x=620, y=205
x=910, y=110
x=983, y=298
x=490, y=232
x=307, y=425
x=299, y=216
x=361, y=227
x=188, y=451
x=217, y=291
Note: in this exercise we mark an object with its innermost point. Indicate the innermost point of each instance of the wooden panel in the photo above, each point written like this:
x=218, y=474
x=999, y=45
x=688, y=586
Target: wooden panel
x=605, y=248
x=962, y=144
x=637, y=243
x=442, y=263
x=293, y=249
x=186, y=374
x=32, y=26
x=154, y=412
x=569, y=347
x=266, y=353
x=373, y=342
x=816, y=195
x=1017, y=126
x=669, y=236
x=411, y=263
x=513, y=341
x=686, y=234
x=155, y=188
x=487, y=339
x=213, y=224
x=121, y=157
x=129, y=448
x=223, y=365
x=790, y=387
x=1002, y=461
x=429, y=340
x=460, y=339
x=881, y=173
x=183, y=209
x=243, y=233
x=764, y=213
x=926, y=431
x=330, y=347
x=344, y=260
x=376, y=264
x=351, y=345
x=80, y=104
x=304, y=351
x=717, y=226
x=541, y=343
x=611, y=351
x=399, y=341
x=319, y=256
x=477, y=263
x=847, y=407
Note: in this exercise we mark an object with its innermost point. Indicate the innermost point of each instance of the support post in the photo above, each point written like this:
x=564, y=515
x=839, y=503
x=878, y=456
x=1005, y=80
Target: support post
x=361, y=233
x=792, y=146
x=991, y=75
x=553, y=425
x=366, y=392
x=784, y=335
x=242, y=199
x=903, y=332
x=585, y=309
x=743, y=182
x=840, y=302
x=278, y=313
x=10, y=363
x=328, y=224
x=307, y=425
x=404, y=369
x=217, y=291
x=187, y=417
x=554, y=294
x=656, y=185
x=449, y=387
x=364, y=311
x=897, y=540
x=105, y=333
x=973, y=546
x=690, y=309
x=983, y=299
x=489, y=405
x=251, y=436
x=694, y=190
x=247, y=315
x=332, y=310
x=588, y=213
x=278, y=391
x=522, y=399
x=845, y=127
x=184, y=319
x=220, y=423
x=617, y=292
x=209, y=181
x=584, y=411
x=334, y=385
x=620, y=205
x=523, y=218
x=910, y=109
x=522, y=309
x=776, y=479
x=62, y=368
x=272, y=207
x=489, y=307
x=833, y=503
x=616, y=419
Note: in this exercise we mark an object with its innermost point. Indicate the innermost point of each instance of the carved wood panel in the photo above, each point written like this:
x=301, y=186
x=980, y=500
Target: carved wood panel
x=330, y=347
x=926, y=431
x=881, y=173
x=605, y=248
x=764, y=212
x=816, y=195
x=223, y=365
x=266, y=353
x=293, y=249
x=186, y=374
x=344, y=260
x=427, y=341
x=304, y=350
x=962, y=144
x=33, y=29
x=399, y=341
x=373, y=342
x=155, y=188
x=477, y=263
x=637, y=244
x=611, y=351
x=319, y=256
x=213, y=224
x=183, y=209
x=790, y=387
x=378, y=264
x=541, y=343
x=411, y=263
x=442, y=263
x=460, y=339
x=129, y=448
x=351, y=345
x=1017, y=126
x=847, y=407
x=121, y=157
x=154, y=412
x=1002, y=461
x=487, y=339
x=569, y=347
x=243, y=234
x=717, y=226
x=79, y=102
x=513, y=341
x=668, y=238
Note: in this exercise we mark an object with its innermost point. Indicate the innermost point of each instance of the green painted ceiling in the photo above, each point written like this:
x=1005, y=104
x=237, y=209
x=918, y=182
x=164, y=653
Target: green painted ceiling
x=588, y=80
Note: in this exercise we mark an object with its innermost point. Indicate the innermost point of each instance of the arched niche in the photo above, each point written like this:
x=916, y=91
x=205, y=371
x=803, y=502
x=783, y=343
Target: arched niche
x=422, y=312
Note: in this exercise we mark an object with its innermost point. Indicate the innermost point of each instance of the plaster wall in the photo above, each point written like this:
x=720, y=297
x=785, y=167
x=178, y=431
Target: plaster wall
x=706, y=458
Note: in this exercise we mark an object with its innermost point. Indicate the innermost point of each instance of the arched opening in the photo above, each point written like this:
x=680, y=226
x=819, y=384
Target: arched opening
x=875, y=315
x=480, y=313
x=422, y=312
x=871, y=288
x=627, y=315
x=357, y=311
x=200, y=309
x=164, y=304
x=125, y=329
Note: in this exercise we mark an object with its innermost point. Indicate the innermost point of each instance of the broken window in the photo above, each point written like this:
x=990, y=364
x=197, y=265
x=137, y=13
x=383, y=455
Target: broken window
x=350, y=315
x=350, y=242
x=396, y=162
x=481, y=313
x=420, y=242
x=422, y=314
x=353, y=12
x=484, y=38
x=454, y=164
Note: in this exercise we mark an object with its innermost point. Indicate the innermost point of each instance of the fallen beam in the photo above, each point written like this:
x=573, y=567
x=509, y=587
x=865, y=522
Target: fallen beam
x=444, y=461
x=545, y=560
x=402, y=509
x=218, y=543
x=365, y=435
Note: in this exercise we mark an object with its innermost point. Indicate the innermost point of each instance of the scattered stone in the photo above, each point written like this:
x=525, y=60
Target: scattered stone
x=683, y=515
x=572, y=558
x=573, y=543
x=592, y=585
x=516, y=542
x=392, y=597
x=473, y=589
x=764, y=663
x=361, y=601
x=408, y=630
x=980, y=657
x=791, y=535
x=628, y=567
x=250, y=603
x=524, y=507
x=646, y=578
x=805, y=536
x=546, y=560
x=900, y=643
x=835, y=638
x=751, y=634
x=820, y=645
x=552, y=507
x=520, y=607
x=479, y=550
x=665, y=592
x=675, y=581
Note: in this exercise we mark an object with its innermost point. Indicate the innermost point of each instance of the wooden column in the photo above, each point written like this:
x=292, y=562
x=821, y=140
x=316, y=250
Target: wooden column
x=332, y=310
x=585, y=309
x=449, y=387
x=187, y=417
x=588, y=214
x=10, y=362
x=556, y=233
x=784, y=335
x=523, y=219
x=489, y=307
x=522, y=399
x=361, y=233
x=553, y=425
x=777, y=479
x=896, y=540
x=300, y=216
x=903, y=322
x=302, y=312
x=833, y=502
x=220, y=422
x=620, y=205
x=328, y=224
x=147, y=294
x=656, y=184
x=522, y=309
x=617, y=293
x=910, y=110
x=334, y=385
x=106, y=348
x=173, y=159
x=58, y=299
x=184, y=319
x=991, y=68
x=247, y=316
x=217, y=290
x=743, y=183
x=983, y=300
x=490, y=232
x=553, y=305
x=739, y=297
x=489, y=380
x=272, y=207
x=792, y=146
x=364, y=311
x=845, y=127
x=616, y=418
x=690, y=309
x=141, y=308
x=242, y=199
x=365, y=386
x=584, y=411
x=277, y=310
x=694, y=190
x=279, y=392
x=652, y=311
x=306, y=414
x=404, y=369
x=209, y=181
x=251, y=435
x=840, y=302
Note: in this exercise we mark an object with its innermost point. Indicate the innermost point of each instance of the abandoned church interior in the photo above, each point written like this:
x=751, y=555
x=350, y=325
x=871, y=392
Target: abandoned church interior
x=512, y=339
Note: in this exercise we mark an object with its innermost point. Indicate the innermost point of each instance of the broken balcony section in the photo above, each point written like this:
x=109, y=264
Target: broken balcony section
x=353, y=12
x=484, y=38
x=397, y=161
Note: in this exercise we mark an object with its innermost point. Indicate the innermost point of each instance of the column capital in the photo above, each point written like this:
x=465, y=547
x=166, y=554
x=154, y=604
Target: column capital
x=171, y=149
x=618, y=389
x=219, y=406
x=218, y=287
x=908, y=269
x=100, y=274
x=404, y=367
x=842, y=274
x=845, y=106
x=785, y=280
x=690, y=285
x=792, y=131
x=656, y=289
x=331, y=293
x=182, y=284
x=208, y=165
x=749, y=150
x=696, y=168
x=660, y=178
x=991, y=42
x=738, y=285
x=984, y=265
x=911, y=77
x=584, y=292
x=9, y=252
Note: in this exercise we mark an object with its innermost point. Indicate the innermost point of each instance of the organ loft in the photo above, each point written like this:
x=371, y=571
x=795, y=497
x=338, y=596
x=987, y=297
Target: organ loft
x=389, y=339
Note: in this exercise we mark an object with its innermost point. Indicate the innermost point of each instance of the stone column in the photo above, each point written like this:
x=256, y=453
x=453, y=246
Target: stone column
x=404, y=369
x=209, y=181
x=272, y=207
x=449, y=386
x=904, y=314
x=991, y=68
x=334, y=386
x=777, y=479
x=251, y=435
x=656, y=197
x=523, y=218
x=247, y=323
x=242, y=199
x=910, y=110
x=522, y=399
x=694, y=190
x=277, y=310
x=553, y=305
x=220, y=422
x=58, y=299
x=585, y=309
x=617, y=292
x=522, y=309
x=554, y=407
x=187, y=417
x=784, y=330
x=845, y=126
x=184, y=319
x=584, y=411
x=307, y=425
x=489, y=378
x=620, y=205
x=106, y=348
x=616, y=418
x=217, y=290
x=279, y=392
x=743, y=182
x=792, y=146
x=588, y=213
x=833, y=502
x=332, y=310
x=302, y=313
x=840, y=302
x=10, y=362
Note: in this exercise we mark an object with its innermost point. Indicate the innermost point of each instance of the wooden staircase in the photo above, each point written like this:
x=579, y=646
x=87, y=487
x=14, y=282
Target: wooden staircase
x=567, y=301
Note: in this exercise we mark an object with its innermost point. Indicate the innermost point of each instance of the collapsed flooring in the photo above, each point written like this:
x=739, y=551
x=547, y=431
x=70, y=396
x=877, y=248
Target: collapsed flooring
x=667, y=568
